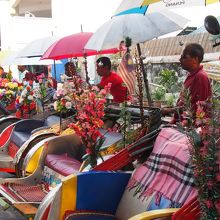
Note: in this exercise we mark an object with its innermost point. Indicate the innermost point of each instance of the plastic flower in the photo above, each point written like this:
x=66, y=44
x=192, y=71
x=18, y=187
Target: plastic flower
x=25, y=102
x=30, y=97
x=100, y=63
x=63, y=101
x=205, y=152
x=55, y=104
x=90, y=108
x=68, y=105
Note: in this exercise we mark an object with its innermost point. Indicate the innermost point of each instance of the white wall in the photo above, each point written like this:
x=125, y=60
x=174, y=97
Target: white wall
x=4, y=24
x=27, y=29
x=16, y=32
x=68, y=15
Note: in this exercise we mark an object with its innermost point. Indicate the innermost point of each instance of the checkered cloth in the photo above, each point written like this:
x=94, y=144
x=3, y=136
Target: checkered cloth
x=167, y=172
x=26, y=193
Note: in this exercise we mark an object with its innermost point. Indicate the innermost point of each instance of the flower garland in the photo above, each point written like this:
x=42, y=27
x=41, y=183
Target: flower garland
x=204, y=136
x=90, y=108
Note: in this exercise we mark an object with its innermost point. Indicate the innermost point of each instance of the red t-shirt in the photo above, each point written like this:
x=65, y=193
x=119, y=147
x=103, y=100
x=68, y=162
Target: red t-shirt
x=199, y=86
x=118, y=89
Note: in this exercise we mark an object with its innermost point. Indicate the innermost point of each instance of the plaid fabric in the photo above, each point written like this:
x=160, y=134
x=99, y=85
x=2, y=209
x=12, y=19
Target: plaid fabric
x=167, y=172
x=26, y=193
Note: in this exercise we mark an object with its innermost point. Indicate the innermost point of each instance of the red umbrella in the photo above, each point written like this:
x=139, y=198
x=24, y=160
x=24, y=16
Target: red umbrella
x=73, y=46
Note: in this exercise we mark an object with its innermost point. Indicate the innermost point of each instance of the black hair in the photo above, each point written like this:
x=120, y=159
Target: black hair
x=195, y=50
x=69, y=64
x=106, y=61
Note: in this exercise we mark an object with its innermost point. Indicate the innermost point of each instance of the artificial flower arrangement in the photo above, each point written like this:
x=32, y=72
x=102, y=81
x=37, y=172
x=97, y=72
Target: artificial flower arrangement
x=6, y=96
x=76, y=85
x=203, y=130
x=63, y=101
x=40, y=91
x=90, y=111
x=65, y=92
x=3, y=82
x=41, y=87
x=25, y=103
x=8, y=92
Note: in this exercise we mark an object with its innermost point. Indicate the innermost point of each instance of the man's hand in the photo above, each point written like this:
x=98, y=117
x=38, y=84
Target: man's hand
x=167, y=111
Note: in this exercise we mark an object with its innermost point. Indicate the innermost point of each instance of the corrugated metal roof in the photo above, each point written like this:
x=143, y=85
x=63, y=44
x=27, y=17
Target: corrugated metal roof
x=173, y=46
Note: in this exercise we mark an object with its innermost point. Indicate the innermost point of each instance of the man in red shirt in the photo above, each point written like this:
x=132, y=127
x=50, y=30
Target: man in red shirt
x=118, y=88
x=197, y=82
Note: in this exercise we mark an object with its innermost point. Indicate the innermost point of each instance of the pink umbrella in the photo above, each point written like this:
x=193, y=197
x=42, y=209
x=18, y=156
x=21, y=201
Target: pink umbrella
x=73, y=46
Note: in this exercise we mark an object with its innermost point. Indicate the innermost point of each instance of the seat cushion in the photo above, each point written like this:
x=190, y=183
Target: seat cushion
x=19, y=137
x=63, y=164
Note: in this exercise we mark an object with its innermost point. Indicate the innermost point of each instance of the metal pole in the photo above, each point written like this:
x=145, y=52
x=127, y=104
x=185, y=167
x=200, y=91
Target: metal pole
x=144, y=76
x=55, y=72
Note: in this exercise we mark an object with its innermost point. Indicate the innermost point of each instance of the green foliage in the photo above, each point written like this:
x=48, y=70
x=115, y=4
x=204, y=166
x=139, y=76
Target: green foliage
x=159, y=93
x=125, y=119
x=128, y=42
x=216, y=88
x=170, y=101
x=169, y=79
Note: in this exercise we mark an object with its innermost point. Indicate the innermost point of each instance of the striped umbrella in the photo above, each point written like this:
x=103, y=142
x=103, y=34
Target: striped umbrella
x=177, y=3
x=149, y=6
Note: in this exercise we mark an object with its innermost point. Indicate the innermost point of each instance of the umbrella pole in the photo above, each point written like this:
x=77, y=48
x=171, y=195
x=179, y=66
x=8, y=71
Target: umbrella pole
x=86, y=70
x=55, y=72
x=144, y=76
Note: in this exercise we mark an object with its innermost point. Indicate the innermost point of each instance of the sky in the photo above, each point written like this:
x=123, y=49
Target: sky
x=93, y=13
x=196, y=14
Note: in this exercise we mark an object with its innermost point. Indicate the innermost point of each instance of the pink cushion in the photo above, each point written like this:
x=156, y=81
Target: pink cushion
x=63, y=164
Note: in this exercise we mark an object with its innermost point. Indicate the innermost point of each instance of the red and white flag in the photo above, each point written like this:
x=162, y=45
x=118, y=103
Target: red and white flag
x=126, y=70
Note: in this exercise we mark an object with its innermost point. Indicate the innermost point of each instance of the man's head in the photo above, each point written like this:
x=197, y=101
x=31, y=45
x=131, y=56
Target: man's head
x=191, y=57
x=103, y=66
x=70, y=69
x=21, y=68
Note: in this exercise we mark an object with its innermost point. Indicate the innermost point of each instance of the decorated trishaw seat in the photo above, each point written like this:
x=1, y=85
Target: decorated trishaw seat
x=20, y=137
x=164, y=180
x=63, y=164
x=24, y=128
